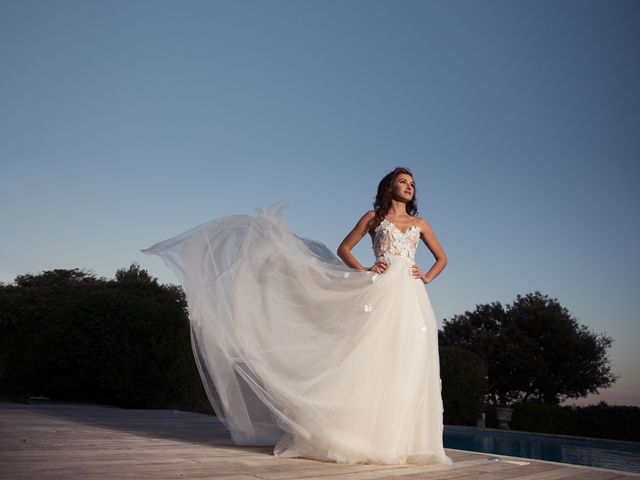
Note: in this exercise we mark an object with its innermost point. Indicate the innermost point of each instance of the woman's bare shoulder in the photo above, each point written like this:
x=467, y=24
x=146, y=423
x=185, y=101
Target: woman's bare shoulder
x=367, y=217
x=423, y=224
x=366, y=221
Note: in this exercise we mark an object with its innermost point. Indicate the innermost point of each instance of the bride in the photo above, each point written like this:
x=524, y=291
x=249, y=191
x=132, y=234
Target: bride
x=323, y=360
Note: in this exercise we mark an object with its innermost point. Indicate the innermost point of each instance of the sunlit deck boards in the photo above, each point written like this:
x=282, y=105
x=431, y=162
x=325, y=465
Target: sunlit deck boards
x=72, y=441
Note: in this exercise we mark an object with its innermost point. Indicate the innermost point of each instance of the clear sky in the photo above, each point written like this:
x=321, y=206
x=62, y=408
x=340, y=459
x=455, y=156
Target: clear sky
x=123, y=123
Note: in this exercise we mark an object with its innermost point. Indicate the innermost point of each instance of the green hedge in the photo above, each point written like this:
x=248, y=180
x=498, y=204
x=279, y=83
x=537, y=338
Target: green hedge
x=124, y=342
x=463, y=376
x=620, y=422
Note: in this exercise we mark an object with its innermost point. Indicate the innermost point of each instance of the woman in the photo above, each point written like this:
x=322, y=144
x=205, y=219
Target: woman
x=396, y=204
x=296, y=349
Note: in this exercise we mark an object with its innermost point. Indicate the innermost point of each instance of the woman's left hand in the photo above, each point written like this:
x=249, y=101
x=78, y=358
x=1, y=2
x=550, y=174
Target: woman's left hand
x=416, y=273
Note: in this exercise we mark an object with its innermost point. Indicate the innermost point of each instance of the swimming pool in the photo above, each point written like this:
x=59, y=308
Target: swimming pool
x=592, y=452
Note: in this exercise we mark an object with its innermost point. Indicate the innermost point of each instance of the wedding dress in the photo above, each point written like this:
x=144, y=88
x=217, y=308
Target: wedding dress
x=299, y=351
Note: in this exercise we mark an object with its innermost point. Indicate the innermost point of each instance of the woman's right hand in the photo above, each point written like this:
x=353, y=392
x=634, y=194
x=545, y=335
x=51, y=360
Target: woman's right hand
x=379, y=267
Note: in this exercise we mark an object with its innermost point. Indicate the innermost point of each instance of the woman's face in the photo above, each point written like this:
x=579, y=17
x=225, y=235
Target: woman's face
x=403, y=187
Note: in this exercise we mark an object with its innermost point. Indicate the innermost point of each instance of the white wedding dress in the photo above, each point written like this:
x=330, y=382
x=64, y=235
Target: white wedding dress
x=299, y=351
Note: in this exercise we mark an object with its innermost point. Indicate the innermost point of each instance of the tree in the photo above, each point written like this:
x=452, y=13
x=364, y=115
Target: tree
x=57, y=278
x=534, y=349
x=135, y=274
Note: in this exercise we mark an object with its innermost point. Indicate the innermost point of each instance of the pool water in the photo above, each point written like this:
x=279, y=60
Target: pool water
x=591, y=452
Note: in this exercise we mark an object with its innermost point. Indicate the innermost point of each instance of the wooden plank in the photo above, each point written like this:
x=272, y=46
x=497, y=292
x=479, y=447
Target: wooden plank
x=74, y=441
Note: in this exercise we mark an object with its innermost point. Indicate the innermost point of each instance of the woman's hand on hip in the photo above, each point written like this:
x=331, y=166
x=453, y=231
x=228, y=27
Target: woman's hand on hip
x=417, y=273
x=379, y=267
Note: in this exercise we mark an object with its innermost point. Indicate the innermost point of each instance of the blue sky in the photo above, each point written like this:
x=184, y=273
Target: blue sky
x=124, y=123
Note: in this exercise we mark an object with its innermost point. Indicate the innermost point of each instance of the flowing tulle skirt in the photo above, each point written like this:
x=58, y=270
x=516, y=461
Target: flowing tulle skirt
x=298, y=351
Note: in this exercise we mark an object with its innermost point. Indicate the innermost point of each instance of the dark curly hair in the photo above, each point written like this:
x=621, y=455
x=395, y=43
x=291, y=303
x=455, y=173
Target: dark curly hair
x=382, y=203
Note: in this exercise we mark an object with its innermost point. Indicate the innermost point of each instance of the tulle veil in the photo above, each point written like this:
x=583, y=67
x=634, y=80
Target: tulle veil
x=233, y=270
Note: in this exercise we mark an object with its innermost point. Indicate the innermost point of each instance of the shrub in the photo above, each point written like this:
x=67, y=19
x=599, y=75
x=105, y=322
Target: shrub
x=536, y=416
x=618, y=422
x=463, y=376
x=124, y=342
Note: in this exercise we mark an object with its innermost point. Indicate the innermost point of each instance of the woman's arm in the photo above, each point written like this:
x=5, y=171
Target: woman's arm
x=432, y=243
x=352, y=239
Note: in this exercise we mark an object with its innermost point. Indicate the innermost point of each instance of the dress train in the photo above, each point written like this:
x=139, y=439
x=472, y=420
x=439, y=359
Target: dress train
x=299, y=351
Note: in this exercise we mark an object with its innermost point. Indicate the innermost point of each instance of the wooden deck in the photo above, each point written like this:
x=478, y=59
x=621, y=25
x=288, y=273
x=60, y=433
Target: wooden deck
x=77, y=441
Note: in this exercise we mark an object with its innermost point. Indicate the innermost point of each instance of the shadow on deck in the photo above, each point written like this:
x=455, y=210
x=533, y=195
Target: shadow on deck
x=80, y=441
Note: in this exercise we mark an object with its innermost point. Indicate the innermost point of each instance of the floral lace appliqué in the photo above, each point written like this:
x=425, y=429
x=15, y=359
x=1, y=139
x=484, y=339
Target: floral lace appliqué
x=390, y=240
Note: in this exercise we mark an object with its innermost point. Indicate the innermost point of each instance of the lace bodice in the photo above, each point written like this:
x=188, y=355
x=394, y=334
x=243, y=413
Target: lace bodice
x=390, y=240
